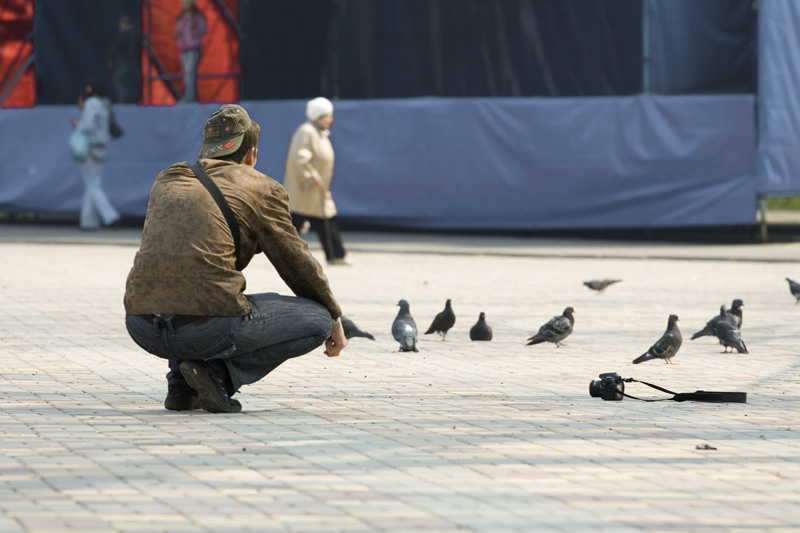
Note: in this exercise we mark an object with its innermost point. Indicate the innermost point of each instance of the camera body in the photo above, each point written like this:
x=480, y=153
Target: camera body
x=609, y=387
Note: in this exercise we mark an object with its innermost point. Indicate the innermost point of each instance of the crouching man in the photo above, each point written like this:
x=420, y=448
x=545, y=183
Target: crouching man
x=184, y=297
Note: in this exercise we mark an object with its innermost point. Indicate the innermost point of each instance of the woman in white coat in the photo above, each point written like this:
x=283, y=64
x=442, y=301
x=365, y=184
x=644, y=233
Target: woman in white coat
x=308, y=175
x=95, y=105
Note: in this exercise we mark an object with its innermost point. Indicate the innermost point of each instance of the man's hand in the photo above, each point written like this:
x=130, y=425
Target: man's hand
x=337, y=341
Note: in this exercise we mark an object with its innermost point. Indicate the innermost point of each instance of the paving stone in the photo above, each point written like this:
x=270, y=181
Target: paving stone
x=461, y=436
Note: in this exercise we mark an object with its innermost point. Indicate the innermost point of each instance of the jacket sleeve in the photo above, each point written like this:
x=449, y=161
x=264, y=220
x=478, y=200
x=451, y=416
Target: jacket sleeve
x=289, y=254
x=302, y=150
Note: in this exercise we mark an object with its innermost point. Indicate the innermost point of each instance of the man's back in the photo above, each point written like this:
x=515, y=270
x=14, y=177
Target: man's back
x=186, y=264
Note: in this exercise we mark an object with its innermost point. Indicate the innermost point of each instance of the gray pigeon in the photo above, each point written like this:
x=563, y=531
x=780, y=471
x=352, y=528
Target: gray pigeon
x=600, y=285
x=708, y=329
x=729, y=336
x=556, y=329
x=667, y=346
x=443, y=321
x=794, y=288
x=735, y=314
x=404, y=329
x=352, y=330
x=481, y=331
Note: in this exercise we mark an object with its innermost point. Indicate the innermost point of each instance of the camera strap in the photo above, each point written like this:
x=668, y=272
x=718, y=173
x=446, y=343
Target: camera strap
x=697, y=396
x=227, y=212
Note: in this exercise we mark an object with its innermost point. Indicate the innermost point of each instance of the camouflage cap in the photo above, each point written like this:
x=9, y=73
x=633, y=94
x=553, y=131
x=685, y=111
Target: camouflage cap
x=224, y=131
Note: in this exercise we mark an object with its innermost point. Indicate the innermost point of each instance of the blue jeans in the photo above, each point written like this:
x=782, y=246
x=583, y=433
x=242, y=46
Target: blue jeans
x=189, y=61
x=250, y=346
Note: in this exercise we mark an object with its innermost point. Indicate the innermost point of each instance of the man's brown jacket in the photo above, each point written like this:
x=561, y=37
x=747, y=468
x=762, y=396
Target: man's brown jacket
x=185, y=263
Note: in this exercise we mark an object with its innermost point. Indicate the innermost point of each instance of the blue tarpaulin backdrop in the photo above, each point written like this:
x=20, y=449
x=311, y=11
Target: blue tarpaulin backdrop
x=609, y=160
x=503, y=163
x=778, y=164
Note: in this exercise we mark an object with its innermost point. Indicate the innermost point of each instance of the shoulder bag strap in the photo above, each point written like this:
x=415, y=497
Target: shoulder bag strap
x=227, y=212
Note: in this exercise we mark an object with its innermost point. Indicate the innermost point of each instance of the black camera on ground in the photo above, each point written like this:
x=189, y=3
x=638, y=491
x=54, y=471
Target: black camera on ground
x=609, y=387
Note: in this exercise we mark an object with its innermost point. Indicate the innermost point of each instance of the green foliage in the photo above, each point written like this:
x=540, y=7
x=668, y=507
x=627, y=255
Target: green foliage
x=783, y=203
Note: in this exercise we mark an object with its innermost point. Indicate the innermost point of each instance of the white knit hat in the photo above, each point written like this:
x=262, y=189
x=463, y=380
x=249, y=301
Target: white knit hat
x=318, y=107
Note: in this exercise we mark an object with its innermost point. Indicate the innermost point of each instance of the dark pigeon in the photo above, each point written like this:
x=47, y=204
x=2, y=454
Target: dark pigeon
x=708, y=329
x=556, y=329
x=443, y=321
x=481, y=331
x=794, y=288
x=735, y=314
x=351, y=330
x=729, y=336
x=600, y=285
x=667, y=346
x=404, y=329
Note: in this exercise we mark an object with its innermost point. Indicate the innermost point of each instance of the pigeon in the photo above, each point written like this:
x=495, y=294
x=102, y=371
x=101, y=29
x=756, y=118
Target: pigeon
x=708, y=329
x=443, y=321
x=794, y=288
x=481, y=331
x=729, y=336
x=667, y=346
x=556, y=329
x=404, y=329
x=351, y=330
x=600, y=285
x=735, y=314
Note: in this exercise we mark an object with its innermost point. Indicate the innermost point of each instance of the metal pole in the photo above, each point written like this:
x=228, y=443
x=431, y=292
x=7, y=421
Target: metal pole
x=646, y=46
x=27, y=62
x=762, y=197
x=762, y=209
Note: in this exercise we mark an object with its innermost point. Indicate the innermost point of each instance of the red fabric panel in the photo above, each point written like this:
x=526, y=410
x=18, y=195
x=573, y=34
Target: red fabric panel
x=219, y=57
x=16, y=21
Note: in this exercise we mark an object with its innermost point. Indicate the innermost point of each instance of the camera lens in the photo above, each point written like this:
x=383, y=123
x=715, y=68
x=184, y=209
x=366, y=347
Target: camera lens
x=595, y=388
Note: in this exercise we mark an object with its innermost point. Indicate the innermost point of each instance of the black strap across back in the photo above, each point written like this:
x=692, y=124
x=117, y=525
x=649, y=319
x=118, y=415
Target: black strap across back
x=227, y=212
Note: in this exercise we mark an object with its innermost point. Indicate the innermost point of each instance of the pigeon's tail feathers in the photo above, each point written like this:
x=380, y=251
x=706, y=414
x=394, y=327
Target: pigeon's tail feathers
x=408, y=339
x=742, y=348
x=702, y=333
x=644, y=357
x=735, y=341
x=408, y=343
x=365, y=334
x=352, y=330
x=736, y=344
x=536, y=339
x=431, y=329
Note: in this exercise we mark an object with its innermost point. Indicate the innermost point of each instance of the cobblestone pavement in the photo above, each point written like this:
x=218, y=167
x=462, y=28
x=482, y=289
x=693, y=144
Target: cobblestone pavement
x=461, y=436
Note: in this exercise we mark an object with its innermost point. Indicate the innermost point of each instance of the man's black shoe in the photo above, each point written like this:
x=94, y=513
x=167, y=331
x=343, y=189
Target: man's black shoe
x=203, y=378
x=181, y=397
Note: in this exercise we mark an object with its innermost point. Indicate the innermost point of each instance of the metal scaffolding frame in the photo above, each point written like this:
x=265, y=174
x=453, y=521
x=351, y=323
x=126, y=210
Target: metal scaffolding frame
x=20, y=63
